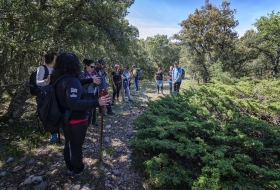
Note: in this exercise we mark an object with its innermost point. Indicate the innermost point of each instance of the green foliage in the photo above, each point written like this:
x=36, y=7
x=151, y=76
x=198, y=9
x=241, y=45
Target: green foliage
x=217, y=73
x=214, y=137
x=162, y=52
x=22, y=139
x=209, y=35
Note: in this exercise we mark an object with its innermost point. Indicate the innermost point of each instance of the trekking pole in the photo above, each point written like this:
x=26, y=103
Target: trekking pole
x=101, y=133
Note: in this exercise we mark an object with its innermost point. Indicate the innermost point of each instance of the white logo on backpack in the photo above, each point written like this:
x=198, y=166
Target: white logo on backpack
x=75, y=90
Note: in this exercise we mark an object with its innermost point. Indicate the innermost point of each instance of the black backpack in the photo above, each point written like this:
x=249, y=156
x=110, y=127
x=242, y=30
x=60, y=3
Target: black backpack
x=32, y=80
x=139, y=73
x=183, y=73
x=48, y=110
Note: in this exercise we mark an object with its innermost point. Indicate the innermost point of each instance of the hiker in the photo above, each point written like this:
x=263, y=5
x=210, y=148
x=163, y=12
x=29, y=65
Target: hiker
x=130, y=77
x=169, y=78
x=116, y=81
x=71, y=98
x=134, y=71
x=49, y=62
x=103, y=86
x=91, y=88
x=176, y=77
x=125, y=82
x=159, y=76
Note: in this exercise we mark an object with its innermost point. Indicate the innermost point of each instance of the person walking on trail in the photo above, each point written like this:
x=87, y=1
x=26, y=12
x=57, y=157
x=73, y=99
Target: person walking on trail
x=159, y=76
x=116, y=82
x=71, y=99
x=136, y=78
x=125, y=84
x=91, y=88
x=49, y=62
x=169, y=78
x=176, y=77
x=103, y=86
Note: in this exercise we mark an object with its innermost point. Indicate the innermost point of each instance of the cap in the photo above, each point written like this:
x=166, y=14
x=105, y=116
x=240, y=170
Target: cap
x=101, y=61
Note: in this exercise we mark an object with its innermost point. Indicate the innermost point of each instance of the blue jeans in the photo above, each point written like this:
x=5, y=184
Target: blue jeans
x=136, y=83
x=170, y=86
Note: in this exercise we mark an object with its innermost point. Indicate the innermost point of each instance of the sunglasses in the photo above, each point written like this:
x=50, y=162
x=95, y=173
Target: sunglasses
x=92, y=67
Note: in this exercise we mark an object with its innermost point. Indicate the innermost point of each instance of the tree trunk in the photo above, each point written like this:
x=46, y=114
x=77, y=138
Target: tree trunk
x=16, y=107
x=275, y=68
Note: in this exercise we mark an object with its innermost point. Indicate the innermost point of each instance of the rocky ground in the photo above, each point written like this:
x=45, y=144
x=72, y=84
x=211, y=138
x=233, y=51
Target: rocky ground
x=45, y=168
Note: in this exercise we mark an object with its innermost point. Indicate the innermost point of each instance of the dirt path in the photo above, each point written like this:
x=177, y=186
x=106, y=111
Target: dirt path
x=44, y=167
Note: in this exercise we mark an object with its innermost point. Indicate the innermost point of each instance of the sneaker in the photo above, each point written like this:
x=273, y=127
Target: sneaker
x=70, y=173
x=53, y=138
x=95, y=124
x=111, y=113
x=81, y=173
x=130, y=99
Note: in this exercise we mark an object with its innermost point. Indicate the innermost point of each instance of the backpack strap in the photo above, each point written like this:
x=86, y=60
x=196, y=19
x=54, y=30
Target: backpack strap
x=46, y=71
x=55, y=82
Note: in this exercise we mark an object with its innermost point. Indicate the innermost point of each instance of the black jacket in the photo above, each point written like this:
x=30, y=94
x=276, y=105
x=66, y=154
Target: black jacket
x=71, y=95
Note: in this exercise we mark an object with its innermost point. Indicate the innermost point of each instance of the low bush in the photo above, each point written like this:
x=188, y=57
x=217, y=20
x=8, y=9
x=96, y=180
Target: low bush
x=204, y=138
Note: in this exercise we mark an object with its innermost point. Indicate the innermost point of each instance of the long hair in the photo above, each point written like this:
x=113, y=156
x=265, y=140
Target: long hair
x=66, y=64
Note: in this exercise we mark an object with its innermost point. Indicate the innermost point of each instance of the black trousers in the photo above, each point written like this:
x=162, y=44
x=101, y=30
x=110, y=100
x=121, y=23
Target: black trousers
x=116, y=91
x=74, y=139
x=177, y=86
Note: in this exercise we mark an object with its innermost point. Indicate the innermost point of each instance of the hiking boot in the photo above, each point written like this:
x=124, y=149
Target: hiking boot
x=95, y=124
x=81, y=173
x=111, y=113
x=53, y=138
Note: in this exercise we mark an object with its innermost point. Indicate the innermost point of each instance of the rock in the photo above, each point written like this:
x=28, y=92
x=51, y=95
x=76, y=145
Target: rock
x=2, y=174
x=52, y=167
x=22, y=159
x=29, y=170
x=116, y=172
x=41, y=186
x=108, y=126
x=41, y=164
x=27, y=181
x=107, y=140
x=10, y=159
x=42, y=173
x=37, y=179
x=76, y=187
x=18, y=168
x=86, y=187
x=31, y=161
x=32, y=179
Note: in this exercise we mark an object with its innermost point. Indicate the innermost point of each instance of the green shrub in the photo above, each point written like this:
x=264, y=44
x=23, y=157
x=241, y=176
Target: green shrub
x=209, y=138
